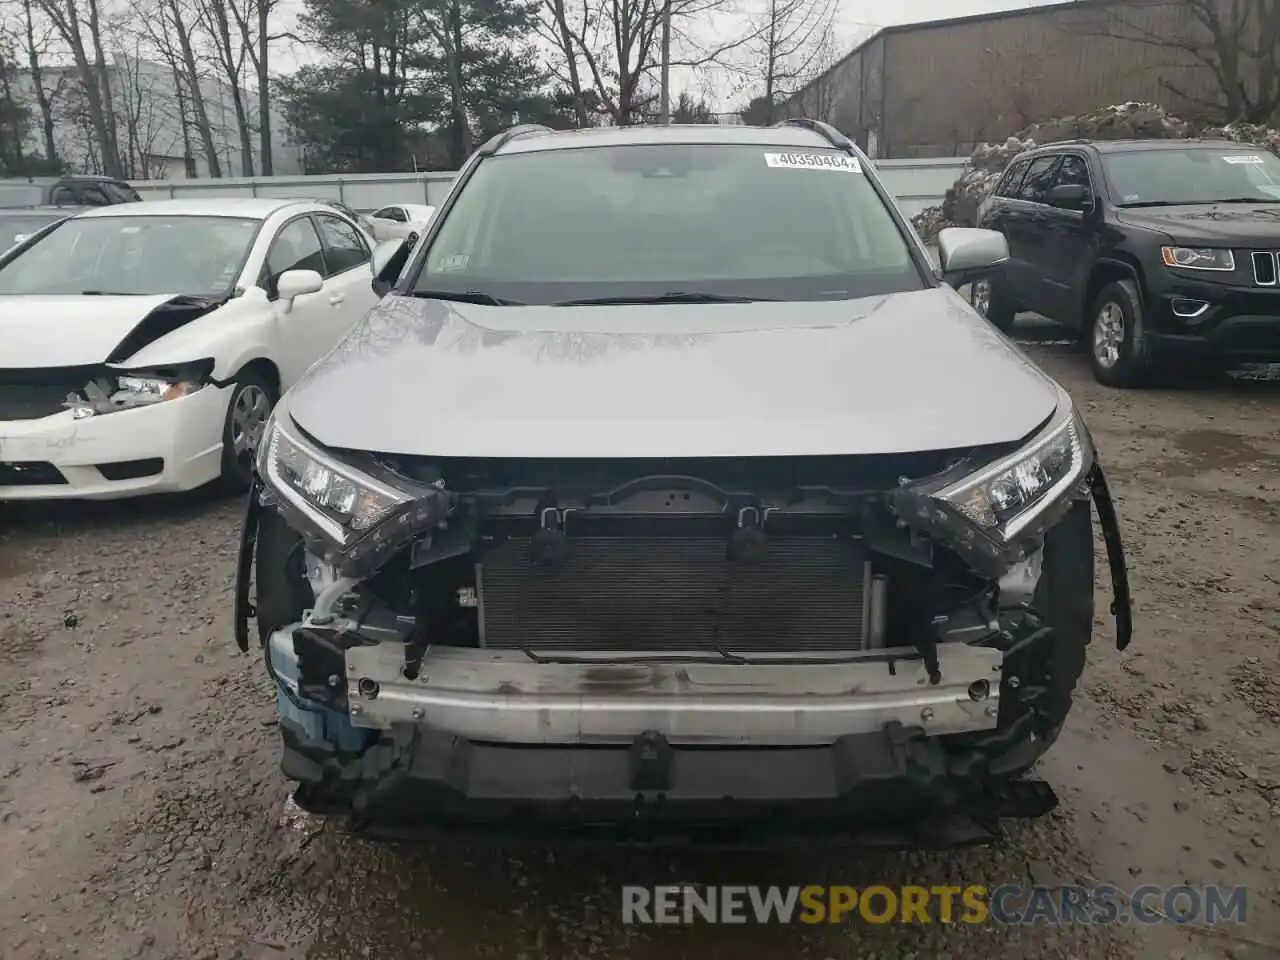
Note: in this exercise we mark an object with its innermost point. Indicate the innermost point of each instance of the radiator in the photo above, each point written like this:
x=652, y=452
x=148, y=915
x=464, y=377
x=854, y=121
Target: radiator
x=676, y=594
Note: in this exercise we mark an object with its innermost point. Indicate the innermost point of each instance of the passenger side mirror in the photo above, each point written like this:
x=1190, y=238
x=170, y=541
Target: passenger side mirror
x=388, y=259
x=966, y=254
x=296, y=283
x=1071, y=196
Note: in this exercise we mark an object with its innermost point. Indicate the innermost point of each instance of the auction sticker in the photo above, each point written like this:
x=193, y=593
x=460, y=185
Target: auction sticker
x=1242, y=158
x=839, y=162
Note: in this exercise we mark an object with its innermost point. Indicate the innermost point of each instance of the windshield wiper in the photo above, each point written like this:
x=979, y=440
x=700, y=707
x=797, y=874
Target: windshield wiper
x=107, y=293
x=1248, y=200
x=467, y=296
x=675, y=296
x=1158, y=203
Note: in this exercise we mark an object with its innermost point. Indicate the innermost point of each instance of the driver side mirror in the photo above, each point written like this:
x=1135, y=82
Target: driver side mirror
x=1071, y=196
x=966, y=254
x=297, y=283
x=386, y=262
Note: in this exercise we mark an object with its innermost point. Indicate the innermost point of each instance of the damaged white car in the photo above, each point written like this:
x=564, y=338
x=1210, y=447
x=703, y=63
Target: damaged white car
x=145, y=343
x=698, y=515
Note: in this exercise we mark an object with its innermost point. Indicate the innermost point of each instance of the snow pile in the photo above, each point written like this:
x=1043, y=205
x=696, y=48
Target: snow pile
x=1125, y=121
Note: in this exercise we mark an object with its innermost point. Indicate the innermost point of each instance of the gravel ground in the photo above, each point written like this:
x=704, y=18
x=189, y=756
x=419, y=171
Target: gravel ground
x=143, y=815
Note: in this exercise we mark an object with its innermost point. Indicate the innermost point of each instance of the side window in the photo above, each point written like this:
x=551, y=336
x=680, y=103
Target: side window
x=1074, y=171
x=343, y=248
x=94, y=195
x=296, y=247
x=397, y=214
x=1039, y=179
x=1012, y=179
x=63, y=195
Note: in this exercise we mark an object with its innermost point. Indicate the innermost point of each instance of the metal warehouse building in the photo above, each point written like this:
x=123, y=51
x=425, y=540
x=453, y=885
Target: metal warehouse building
x=940, y=87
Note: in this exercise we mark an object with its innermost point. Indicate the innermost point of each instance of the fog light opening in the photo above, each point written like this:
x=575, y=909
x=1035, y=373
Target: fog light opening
x=1189, y=309
x=979, y=690
x=368, y=688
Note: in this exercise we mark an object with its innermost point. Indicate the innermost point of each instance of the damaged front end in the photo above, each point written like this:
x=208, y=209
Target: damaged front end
x=885, y=640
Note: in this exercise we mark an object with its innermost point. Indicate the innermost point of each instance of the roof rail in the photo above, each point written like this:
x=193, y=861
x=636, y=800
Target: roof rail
x=825, y=130
x=500, y=140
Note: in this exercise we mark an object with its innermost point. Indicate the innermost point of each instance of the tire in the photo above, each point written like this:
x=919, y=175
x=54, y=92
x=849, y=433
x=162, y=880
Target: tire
x=1118, y=351
x=989, y=298
x=250, y=405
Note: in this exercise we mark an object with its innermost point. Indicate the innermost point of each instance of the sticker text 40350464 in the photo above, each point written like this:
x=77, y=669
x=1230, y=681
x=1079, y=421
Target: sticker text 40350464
x=836, y=162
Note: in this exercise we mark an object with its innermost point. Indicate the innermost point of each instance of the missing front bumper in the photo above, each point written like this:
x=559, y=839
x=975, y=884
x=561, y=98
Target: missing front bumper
x=505, y=698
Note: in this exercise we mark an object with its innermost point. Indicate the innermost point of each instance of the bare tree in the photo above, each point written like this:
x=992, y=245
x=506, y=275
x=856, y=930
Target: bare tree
x=252, y=19
x=36, y=37
x=142, y=106
x=81, y=30
x=1237, y=41
x=787, y=50
x=613, y=44
x=168, y=24
x=231, y=52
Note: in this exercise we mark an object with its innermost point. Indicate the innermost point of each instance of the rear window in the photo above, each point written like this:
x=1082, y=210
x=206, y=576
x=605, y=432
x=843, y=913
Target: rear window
x=640, y=220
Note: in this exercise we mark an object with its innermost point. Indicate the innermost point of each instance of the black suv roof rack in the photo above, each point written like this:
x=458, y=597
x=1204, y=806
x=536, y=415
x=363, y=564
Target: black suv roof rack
x=500, y=140
x=825, y=130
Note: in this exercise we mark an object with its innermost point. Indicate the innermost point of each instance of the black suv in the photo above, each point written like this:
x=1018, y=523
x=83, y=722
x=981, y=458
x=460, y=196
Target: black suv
x=69, y=191
x=1158, y=252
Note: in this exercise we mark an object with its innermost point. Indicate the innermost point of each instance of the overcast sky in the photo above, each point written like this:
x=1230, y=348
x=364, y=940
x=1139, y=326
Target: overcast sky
x=855, y=20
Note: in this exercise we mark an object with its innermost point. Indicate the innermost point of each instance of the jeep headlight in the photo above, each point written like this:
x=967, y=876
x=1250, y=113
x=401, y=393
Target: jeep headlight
x=360, y=516
x=1198, y=258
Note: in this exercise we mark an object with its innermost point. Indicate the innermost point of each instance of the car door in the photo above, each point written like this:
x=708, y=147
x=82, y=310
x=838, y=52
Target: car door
x=1070, y=236
x=348, y=279
x=306, y=329
x=1025, y=228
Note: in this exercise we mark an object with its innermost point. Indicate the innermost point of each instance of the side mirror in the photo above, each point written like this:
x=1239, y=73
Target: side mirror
x=966, y=254
x=388, y=259
x=296, y=283
x=1070, y=196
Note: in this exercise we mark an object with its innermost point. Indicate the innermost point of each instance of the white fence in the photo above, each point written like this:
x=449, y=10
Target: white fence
x=916, y=183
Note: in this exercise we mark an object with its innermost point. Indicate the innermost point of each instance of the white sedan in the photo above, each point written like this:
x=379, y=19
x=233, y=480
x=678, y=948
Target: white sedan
x=401, y=219
x=144, y=344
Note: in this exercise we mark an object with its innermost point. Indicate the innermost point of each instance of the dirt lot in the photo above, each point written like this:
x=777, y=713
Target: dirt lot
x=142, y=814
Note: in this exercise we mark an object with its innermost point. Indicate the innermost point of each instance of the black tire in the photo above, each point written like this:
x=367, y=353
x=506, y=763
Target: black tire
x=1118, y=352
x=253, y=388
x=996, y=306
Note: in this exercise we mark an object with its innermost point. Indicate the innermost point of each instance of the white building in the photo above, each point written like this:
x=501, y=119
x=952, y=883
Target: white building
x=150, y=112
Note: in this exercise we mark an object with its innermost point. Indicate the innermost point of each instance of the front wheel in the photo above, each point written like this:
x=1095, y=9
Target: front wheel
x=251, y=402
x=1117, y=348
x=988, y=298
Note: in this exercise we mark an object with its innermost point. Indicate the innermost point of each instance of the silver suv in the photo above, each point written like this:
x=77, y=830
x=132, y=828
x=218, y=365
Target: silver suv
x=678, y=491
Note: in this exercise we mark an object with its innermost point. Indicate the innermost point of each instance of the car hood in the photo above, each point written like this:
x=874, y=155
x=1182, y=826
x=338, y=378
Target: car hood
x=907, y=372
x=66, y=331
x=1229, y=223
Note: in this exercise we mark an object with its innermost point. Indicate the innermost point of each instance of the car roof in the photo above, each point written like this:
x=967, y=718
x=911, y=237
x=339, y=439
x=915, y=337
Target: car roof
x=786, y=136
x=251, y=208
x=1133, y=145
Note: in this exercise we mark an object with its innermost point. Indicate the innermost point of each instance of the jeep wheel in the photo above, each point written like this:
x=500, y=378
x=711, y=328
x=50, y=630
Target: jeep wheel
x=1117, y=349
x=988, y=298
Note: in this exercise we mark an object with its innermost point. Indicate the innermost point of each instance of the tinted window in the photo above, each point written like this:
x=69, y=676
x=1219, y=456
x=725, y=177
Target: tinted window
x=63, y=195
x=1012, y=179
x=725, y=219
x=391, y=213
x=94, y=196
x=120, y=192
x=133, y=255
x=1036, y=186
x=297, y=247
x=1194, y=175
x=1074, y=171
x=342, y=245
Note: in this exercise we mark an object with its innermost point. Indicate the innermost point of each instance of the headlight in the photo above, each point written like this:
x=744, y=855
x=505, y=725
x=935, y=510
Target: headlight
x=983, y=515
x=1198, y=258
x=360, y=516
x=112, y=392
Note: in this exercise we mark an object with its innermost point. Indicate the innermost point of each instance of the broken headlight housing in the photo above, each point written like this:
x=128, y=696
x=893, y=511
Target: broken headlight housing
x=986, y=514
x=354, y=516
x=127, y=390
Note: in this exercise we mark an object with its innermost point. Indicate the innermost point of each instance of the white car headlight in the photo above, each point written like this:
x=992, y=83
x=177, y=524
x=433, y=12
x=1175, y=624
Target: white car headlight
x=1198, y=258
x=113, y=392
x=362, y=516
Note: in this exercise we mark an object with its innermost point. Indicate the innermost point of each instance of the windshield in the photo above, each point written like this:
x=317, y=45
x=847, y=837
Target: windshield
x=15, y=229
x=1194, y=175
x=133, y=255
x=647, y=220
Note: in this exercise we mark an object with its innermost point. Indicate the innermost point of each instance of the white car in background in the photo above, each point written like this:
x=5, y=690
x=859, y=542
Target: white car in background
x=399, y=220
x=144, y=344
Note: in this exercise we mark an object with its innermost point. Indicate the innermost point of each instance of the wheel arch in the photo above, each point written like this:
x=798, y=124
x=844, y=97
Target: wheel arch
x=1110, y=269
